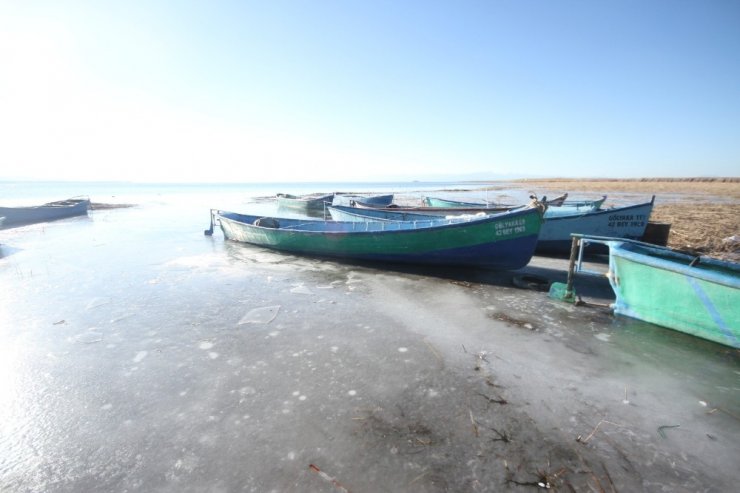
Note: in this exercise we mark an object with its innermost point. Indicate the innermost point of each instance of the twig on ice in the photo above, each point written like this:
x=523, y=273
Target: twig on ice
x=328, y=478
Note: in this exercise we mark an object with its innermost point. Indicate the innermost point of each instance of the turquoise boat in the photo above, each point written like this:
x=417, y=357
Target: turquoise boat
x=696, y=295
x=593, y=204
x=456, y=204
x=499, y=242
x=571, y=207
x=367, y=200
x=303, y=203
x=556, y=207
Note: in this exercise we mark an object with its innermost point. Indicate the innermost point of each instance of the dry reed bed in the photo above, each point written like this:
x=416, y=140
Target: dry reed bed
x=704, y=213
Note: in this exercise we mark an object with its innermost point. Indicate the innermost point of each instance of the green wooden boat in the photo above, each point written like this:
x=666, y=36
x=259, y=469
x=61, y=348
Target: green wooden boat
x=501, y=241
x=693, y=294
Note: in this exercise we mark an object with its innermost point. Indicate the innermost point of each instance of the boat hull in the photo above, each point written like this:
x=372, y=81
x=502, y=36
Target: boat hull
x=309, y=203
x=18, y=216
x=661, y=286
x=619, y=222
x=499, y=243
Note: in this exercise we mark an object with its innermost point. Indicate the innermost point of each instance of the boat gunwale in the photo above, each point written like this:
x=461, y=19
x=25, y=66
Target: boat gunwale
x=619, y=247
x=699, y=271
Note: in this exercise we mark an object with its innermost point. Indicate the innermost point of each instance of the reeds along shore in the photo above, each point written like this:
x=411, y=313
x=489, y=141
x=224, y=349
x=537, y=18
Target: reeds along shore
x=727, y=179
x=721, y=188
x=703, y=212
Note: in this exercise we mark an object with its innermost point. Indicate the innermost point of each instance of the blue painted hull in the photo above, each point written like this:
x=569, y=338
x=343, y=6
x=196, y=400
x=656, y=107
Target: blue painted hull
x=18, y=216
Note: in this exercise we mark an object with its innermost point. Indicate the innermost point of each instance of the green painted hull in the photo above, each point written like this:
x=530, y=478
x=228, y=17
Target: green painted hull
x=661, y=286
x=506, y=241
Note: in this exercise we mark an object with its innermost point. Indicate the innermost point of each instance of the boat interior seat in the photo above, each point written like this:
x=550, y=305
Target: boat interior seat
x=267, y=222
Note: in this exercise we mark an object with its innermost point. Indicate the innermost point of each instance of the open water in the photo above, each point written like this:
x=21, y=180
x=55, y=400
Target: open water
x=217, y=195
x=137, y=354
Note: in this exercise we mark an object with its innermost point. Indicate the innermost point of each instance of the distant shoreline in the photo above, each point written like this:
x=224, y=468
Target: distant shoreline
x=699, y=179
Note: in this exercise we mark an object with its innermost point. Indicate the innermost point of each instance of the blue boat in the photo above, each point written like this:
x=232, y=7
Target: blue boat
x=555, y=236
x=447, y=203
x=617, y=222
x=499, y=242
x=19, y=216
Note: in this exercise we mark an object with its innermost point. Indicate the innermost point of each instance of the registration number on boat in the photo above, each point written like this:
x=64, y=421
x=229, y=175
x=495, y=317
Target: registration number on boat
x=510, y=227
x=626, y=220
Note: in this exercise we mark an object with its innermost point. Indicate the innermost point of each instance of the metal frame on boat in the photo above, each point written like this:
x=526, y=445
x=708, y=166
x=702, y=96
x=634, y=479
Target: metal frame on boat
x=696, y=295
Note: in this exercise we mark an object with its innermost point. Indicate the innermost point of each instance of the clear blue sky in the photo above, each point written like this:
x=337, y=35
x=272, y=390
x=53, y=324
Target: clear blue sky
x=368, y=90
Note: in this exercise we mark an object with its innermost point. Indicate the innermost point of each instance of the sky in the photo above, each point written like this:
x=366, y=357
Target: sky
x=368, y=90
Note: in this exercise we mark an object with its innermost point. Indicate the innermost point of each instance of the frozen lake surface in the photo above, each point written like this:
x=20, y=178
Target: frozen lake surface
x=139, y=354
